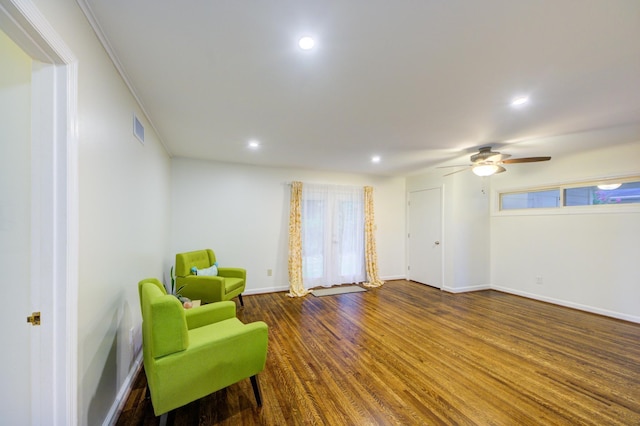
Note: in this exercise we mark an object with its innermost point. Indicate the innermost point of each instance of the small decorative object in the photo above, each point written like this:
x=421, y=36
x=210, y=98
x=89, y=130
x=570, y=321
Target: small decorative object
x=176, y=292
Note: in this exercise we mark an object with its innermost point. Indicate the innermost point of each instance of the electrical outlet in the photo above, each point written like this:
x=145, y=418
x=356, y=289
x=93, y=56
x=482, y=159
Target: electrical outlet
x=539, y=280
x=269, y=272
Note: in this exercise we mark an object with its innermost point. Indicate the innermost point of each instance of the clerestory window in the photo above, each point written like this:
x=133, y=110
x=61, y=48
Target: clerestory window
x=594, y=193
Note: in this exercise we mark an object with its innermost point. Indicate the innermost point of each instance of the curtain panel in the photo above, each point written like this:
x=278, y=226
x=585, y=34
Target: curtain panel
x=296, y=287
x=371, y=253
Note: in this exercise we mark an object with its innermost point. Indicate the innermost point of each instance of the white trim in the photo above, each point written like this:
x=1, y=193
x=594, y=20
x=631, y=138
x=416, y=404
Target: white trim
x=562, y=209
x=277, y=289
x=54, y=215
x=125, y=390
x=266, y=290
x=578, y=306
x=466, y=289
x=393, y=277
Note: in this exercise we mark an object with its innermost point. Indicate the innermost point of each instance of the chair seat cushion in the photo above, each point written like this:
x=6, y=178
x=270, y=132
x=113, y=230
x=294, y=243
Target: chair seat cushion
x=216, y=331
x=231, y=284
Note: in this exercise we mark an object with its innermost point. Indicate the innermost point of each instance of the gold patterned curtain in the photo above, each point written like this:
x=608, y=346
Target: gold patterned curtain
x=371, y=254
x=296, y=287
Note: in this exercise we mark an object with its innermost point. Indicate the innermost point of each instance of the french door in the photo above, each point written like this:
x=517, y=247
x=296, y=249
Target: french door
x=332, y=235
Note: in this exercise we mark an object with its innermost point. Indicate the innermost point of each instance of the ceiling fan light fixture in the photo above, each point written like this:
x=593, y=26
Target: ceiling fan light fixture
x=485, y=169
x=609, y=186
x=519, y=101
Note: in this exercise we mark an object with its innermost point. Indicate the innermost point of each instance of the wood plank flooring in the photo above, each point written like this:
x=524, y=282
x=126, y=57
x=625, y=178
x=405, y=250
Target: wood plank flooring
x=408, y=354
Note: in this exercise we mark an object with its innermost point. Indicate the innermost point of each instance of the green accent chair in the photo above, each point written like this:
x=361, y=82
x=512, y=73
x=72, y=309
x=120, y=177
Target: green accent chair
x=229, y=283
x=191, y=353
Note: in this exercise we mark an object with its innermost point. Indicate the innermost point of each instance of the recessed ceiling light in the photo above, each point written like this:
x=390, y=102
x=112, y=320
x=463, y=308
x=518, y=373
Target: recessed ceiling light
x=306, y=43
x=254, y=144
x=375, y=159
x=519, y=101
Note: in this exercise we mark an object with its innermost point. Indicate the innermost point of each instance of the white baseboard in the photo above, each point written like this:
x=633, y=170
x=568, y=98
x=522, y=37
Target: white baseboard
x=123, y=394
x=578, y=306
x=393, y=277
x=266, y=290
x=586, y=308
x=387, y=278
x=286, y=286
x=466, y=289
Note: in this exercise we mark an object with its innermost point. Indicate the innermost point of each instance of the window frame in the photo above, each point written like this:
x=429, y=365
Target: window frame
x=496, y=205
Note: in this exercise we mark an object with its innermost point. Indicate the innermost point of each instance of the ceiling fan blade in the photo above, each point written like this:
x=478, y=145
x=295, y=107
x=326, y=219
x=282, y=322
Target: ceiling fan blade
x=458, y=165
x=457, y=171
x=526, y=160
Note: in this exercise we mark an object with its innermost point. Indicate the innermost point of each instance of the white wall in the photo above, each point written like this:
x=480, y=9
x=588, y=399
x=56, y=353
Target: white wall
x=124, y=208
x=465, y=239
x=242, y=213
x=587, y=257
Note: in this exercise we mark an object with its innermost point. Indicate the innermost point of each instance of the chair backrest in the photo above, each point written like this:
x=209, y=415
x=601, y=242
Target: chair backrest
x=153, y=281
x=164, y=326
x=201, y=259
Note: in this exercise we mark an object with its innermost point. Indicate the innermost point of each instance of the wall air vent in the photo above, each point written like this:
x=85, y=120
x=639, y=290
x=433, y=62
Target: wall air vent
x=138, y=129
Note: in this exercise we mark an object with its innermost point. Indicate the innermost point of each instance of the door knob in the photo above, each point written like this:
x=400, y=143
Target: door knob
x=34, y=319
x=437, y=243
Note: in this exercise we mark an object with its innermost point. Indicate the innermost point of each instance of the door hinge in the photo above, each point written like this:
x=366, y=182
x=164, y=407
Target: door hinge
x=34, y=318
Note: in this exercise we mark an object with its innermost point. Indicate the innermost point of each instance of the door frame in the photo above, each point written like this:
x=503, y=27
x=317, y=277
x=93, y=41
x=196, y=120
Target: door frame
x=442, y=229
x=54, y=212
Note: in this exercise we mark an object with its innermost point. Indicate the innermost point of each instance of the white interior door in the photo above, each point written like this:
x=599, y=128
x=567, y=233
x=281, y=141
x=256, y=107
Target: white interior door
x=425, y=237
x=15, y=230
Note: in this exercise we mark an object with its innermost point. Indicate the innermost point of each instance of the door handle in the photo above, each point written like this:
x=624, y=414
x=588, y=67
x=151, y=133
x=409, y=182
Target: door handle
x=34, y=319
x=437, y=243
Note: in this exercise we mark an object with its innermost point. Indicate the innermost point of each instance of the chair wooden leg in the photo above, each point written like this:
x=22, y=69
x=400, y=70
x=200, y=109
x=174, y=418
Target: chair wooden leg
x=241, y=302
x=256, y=389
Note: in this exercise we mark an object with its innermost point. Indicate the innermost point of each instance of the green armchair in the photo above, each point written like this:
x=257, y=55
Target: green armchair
x=191, y=353
x=227, y=284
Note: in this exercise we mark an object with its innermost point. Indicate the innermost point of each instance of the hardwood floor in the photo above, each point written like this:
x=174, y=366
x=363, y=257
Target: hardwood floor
x=408, y=354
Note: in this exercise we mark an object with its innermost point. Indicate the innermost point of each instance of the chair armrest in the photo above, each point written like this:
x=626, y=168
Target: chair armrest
x=233, y=272
x=208, y=314
x=201, y=287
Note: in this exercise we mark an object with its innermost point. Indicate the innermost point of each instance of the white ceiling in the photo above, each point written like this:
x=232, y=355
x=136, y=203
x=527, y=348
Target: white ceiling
x=418, y=82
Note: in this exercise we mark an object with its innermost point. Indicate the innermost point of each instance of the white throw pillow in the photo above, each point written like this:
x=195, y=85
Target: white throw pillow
x=210, y=271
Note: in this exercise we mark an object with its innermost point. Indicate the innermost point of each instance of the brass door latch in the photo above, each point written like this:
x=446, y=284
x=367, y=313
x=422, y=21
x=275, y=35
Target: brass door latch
x=34, y=319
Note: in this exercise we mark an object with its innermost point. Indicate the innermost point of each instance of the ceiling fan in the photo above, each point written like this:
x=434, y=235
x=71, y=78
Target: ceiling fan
x=486, y=162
